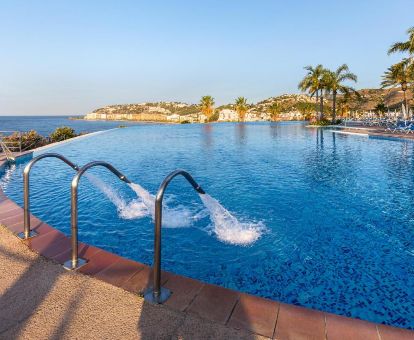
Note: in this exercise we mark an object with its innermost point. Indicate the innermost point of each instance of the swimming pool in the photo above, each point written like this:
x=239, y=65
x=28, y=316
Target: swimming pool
x=334, y=212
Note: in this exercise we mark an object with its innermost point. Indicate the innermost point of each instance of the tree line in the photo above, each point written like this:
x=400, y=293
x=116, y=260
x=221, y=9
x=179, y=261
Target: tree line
x=320, y=82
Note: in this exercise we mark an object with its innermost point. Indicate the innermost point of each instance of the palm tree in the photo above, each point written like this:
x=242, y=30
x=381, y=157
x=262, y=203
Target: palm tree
x=400, y=74
x=380, y=108
x=241, y=107
x=333, y=83
x=312, y=83
x=344, y=102
x=405, y=46
x=275, y=110
x=207, y=105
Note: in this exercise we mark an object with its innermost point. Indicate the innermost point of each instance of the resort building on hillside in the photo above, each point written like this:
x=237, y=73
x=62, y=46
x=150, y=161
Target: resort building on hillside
x=174, y=118
x=228, y=115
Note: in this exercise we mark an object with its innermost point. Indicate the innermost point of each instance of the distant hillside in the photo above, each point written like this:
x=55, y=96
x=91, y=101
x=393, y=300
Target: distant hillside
x=160, y=107
x=289, y=106
x=392, y=98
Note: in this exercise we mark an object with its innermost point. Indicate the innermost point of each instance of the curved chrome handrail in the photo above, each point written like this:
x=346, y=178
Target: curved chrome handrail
x=76, y=262
x=158, y=294
x=27, y=233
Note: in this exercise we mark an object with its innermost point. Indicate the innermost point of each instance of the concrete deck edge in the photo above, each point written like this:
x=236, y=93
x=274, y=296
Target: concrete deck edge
x=71, y=140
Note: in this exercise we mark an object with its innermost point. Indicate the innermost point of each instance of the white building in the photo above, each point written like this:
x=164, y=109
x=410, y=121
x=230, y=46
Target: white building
x=252, y=117
x=173, y=118
x=158, y=109
x=228, y=115
x=202, y=118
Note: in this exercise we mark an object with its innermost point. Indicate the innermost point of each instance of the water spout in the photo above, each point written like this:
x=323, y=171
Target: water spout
x=227, y=227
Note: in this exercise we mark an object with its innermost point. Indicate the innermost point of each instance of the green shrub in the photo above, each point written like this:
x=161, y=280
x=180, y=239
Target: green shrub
x=322, y=122
x=185, y=122
x=62, y=133
x=325, y=122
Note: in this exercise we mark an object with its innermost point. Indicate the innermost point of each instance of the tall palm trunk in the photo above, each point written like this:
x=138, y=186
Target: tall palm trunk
x=321, y=104
x=333, y=107
x=318, y=117
x=405, y=101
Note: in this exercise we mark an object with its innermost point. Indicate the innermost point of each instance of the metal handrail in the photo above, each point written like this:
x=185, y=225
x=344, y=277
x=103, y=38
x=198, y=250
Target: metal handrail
x=11, y=145
x=27, y=233
x=75, y=262
x=159, y=294
x=7, y=152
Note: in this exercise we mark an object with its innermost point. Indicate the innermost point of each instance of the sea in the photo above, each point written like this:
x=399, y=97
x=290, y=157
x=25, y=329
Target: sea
x=45, y=125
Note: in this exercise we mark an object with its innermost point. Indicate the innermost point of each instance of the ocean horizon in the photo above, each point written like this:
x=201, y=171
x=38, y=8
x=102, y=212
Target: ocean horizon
x=45, y=125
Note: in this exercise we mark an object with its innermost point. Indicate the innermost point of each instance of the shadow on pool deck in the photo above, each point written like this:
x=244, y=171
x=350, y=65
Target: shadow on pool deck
x=39, y=299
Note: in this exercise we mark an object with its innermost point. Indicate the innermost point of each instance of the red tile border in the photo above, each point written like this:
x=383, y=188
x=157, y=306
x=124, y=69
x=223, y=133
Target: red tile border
x=98, y=262
x=299, y=323
x=5, y=214
x=342, y=328
x=85, y=251
x=46, y=244
x=238, y=310
x=255, y=314
x=142, y=280
x=120, y=272
x=214, y=303
x=183, y=291
x=393, y=333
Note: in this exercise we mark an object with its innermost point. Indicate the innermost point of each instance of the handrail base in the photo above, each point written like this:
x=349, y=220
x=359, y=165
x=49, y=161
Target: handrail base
x=149, y=296
x=22, y=235
x=68, y=265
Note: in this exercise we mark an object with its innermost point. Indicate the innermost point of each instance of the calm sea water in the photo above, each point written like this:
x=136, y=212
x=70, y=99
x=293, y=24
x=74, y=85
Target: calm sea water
x=338, y=210
x=47, y=124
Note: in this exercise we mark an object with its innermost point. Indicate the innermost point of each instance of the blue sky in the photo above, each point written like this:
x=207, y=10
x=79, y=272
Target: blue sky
x=70, y=57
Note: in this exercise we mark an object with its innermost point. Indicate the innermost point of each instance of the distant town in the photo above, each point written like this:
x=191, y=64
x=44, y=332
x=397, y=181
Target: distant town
x=280, y=108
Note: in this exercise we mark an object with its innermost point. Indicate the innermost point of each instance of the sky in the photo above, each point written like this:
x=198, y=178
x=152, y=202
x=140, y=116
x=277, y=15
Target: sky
x=71, y=57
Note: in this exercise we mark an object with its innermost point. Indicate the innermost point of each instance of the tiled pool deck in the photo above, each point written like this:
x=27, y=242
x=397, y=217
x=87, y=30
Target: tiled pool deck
x=237, y=310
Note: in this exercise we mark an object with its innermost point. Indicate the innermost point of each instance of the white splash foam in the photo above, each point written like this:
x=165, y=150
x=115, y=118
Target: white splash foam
x=131, y=210
x=176, y=217
x=110, y=193
x=225, y=226
x=228, y=228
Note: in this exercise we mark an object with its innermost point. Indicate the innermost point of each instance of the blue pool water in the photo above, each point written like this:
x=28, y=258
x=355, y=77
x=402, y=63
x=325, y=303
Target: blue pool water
x=336, y=210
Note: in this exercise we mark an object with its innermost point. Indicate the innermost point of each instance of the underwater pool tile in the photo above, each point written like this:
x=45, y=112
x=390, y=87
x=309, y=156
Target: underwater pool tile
x=183, y=290
x=295, y=322
x=214, y=303
x=255, y=314
x=342, y=328
x=3, y=197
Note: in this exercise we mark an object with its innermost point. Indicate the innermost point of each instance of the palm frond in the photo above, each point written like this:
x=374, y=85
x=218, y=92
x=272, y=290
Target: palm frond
x=399, y=47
